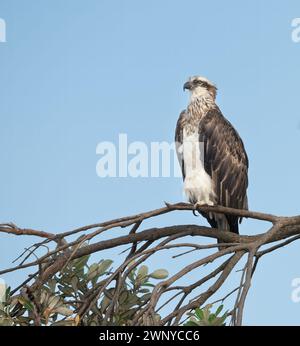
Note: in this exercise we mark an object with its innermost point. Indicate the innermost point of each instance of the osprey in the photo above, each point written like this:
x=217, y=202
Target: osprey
x=212, y=156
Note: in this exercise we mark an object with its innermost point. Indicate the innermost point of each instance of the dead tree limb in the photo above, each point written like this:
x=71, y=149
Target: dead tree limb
x=146, y=243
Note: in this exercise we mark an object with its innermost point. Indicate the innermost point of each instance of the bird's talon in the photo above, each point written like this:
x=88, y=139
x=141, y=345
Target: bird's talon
x=196, y=206
x=194, y=212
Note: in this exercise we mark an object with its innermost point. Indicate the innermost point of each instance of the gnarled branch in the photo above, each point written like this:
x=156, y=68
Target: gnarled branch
x=146, y=243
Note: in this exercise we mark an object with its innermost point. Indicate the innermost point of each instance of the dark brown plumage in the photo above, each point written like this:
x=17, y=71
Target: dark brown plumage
x=224, y=159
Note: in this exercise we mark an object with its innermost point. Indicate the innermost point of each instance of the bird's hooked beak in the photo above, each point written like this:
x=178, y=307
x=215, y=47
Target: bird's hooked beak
x=187, y=85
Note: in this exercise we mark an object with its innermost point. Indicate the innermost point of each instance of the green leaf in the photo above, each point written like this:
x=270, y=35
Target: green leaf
x=142, y=272
x=105, y=303
x=190, y=324
x=123, y=297
x=131, y=275
x=145, y=297
x=92, y=271
x=206, y=312
x=128, y=314
x=64, y=310
x=53, y=302
x=27, y=304
x=97, y=270
x=52, y=284
x=144, y=290
x=159, y=274
x=212, y=317
x=67, y=291
x=7, y=293
x=74, y=283
x=199, y=314
x=81, y=262
x=103, y=267
x=148, y=284
x=224, y=316
x=44, y=297
x=219, y=309
x=132, y=300
x=6, y=321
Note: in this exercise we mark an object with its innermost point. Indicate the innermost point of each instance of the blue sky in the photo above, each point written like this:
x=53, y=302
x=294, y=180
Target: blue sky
x=75, y=73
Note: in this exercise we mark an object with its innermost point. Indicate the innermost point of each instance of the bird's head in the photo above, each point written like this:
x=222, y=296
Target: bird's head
x=200, y=87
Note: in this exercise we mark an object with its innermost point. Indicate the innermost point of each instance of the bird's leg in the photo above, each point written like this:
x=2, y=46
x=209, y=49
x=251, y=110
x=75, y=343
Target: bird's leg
x=201, y=203
x=196, y=207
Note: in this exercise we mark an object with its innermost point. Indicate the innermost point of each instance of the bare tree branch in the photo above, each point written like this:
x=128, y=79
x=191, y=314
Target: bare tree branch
x=146, y=243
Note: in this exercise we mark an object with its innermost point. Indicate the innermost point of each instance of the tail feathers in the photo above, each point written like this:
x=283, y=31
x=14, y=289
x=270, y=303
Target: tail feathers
x=225, y=223
x=228, y=223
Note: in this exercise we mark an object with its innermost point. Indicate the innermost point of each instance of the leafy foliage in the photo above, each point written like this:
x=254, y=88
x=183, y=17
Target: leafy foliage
x=58, y=301
x=204, y=317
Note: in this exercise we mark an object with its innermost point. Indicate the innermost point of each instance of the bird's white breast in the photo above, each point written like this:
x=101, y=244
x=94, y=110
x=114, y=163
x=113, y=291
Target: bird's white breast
x=197, y=183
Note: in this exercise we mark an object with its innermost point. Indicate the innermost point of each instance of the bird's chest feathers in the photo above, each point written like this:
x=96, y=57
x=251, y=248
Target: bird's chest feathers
x=197, y=183
x=192, y=150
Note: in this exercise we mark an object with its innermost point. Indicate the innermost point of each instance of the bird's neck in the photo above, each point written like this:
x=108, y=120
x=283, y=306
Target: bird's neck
x=200, y=103
x=200, y=93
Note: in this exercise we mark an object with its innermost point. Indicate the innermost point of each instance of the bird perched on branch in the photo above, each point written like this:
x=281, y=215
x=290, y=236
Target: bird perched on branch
x=212, y=156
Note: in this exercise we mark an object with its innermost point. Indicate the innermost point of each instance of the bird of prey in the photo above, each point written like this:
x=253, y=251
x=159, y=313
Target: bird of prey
x=212, y=156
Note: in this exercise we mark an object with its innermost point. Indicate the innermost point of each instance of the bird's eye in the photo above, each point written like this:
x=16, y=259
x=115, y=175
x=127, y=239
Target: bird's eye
x=199, y=82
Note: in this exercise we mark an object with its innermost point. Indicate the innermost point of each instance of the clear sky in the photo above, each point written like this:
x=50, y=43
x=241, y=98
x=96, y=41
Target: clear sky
x=75, y=73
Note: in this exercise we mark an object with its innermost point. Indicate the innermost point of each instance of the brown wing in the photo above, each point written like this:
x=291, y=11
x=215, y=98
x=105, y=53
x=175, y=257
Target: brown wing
x=225, y=160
